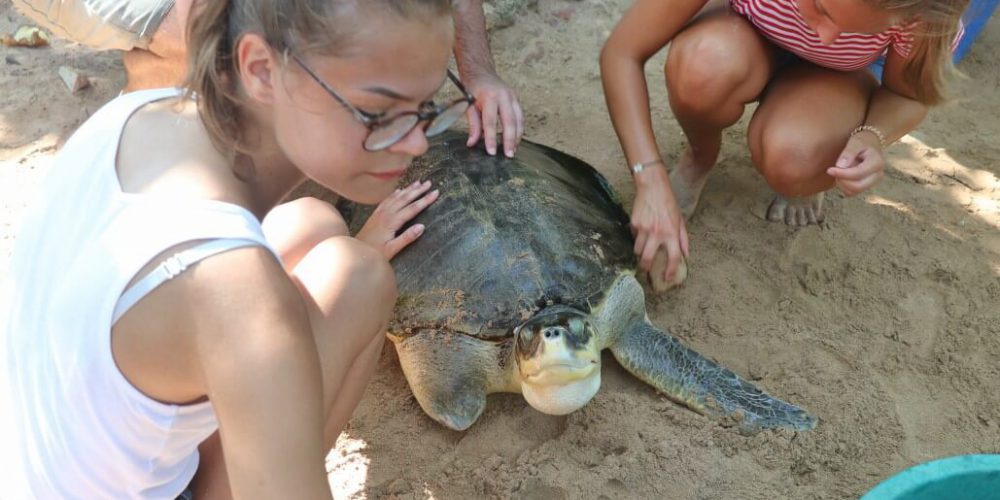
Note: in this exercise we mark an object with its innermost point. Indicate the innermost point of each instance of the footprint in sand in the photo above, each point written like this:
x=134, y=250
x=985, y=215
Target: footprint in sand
x=535, y=489
x=923, y=312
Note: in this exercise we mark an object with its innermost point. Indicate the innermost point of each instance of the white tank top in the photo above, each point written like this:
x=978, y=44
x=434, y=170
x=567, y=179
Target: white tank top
x=71, y=425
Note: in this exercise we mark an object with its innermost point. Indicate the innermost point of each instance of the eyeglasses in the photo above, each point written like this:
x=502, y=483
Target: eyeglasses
x=384, y=131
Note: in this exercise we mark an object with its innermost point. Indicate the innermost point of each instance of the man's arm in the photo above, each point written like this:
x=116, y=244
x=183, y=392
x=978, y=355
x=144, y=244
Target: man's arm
x=494, y=99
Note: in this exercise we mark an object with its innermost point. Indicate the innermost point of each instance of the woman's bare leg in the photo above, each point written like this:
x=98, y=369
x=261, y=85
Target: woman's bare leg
x=350, y=291
x=714, y=68
x=800, y=129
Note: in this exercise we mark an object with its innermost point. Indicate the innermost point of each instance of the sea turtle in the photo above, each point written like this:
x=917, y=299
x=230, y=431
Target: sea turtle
x=524, y=274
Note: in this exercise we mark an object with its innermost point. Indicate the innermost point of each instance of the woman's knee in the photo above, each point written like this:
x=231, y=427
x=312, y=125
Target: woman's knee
x=706, y=65
x=353, y=270
x=298, y=225
x=793, y=165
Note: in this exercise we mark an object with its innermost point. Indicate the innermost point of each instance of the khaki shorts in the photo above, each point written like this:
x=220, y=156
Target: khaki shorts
x=99, y=24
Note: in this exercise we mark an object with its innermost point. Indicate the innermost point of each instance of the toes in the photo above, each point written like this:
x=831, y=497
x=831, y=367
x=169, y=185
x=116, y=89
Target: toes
x=812, y=216
x=820, y=213
x=792, y=216
x=776, y=212
x=820, y=216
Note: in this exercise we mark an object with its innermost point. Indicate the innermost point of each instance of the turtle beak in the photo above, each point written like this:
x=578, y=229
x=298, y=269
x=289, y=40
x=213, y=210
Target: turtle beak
x=551, y=355
x=560, y=372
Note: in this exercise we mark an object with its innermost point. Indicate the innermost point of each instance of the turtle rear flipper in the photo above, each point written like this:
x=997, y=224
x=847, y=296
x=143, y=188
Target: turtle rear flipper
x=660, y=360
x=449, y=374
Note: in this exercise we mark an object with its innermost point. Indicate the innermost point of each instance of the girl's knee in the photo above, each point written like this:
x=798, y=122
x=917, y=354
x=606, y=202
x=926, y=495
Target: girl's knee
x=298, y=225
x=704, y=68
x=355, y=266
x=792, y=165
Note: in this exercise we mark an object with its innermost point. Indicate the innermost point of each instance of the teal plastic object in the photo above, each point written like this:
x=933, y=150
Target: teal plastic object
x=965, y=477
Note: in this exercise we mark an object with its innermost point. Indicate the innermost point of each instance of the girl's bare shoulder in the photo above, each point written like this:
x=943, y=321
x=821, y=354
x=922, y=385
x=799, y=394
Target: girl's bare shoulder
x=165, y=150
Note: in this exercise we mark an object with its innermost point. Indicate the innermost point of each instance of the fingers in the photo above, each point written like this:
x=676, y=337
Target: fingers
x=412, y=209
x=393, y=213
x=403, y=196
x=685, y=245
x=640, y=241
x=673, y=260
x=407, y=202
x=849, y=156
x=489, y=111
x=854, y=173
x=859, y=178
x=395, y=245
x=519, y=121
x=648, y=253
x=513, y=123
x=475, y=126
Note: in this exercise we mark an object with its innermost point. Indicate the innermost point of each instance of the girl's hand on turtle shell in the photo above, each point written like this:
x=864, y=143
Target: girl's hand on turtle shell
x=657, y=222
x=392, y=213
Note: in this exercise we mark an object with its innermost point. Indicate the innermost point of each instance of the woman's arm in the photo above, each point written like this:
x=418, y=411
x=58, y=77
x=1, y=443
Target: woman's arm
x=261, y=371
x=643, y=31
x=893, y=111
x=893, y=108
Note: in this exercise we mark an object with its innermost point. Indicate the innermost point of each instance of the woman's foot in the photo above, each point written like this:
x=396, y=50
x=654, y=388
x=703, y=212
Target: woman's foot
x=797, y=211
x=688, y=180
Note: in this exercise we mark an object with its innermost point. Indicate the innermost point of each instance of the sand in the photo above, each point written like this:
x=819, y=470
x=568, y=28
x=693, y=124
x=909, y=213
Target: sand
x=883, y=322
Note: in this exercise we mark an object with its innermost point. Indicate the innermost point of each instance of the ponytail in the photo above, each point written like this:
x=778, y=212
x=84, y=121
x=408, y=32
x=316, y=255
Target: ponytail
x=211, y=73
x=300, y=25
x=929, y=65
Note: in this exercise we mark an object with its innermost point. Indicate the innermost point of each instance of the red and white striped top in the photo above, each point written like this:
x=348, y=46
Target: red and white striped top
x=782, y=23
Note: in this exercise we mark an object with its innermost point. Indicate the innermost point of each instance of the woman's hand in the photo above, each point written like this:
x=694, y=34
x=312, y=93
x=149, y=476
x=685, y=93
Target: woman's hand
x=657, y=222
x=392, y=213
x=861, y=164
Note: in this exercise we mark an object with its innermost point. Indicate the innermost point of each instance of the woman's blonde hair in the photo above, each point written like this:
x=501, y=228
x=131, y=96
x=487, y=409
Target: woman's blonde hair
x=929, y=66
x=305, y=26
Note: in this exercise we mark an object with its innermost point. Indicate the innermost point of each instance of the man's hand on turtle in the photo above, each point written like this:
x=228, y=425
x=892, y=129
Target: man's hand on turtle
x=495, y=101
x=392, y=213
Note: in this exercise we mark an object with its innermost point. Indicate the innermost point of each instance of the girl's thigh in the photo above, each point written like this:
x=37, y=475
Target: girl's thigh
x=806, y=116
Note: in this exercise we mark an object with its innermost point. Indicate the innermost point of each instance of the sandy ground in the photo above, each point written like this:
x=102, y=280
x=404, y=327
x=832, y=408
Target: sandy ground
x=883, y=322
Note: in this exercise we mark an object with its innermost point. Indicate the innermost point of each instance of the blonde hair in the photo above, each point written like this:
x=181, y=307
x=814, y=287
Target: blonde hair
x=929, y=66
x=305, y=26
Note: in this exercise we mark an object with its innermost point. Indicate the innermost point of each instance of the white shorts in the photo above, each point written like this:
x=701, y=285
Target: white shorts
x=99, y=24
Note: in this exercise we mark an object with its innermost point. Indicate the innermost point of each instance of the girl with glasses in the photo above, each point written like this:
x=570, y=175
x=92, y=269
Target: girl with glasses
x=170, y=319
x=822, y=119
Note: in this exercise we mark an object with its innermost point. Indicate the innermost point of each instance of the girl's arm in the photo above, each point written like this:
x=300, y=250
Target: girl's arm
x=642, y=32
x=645, y=29
x=893, y=108
x=893, y=111
x=261, y=371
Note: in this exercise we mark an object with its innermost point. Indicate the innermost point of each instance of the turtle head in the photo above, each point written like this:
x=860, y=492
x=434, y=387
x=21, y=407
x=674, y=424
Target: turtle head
x=558, y=359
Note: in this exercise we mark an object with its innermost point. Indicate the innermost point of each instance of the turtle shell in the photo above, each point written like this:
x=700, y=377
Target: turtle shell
x=506, y=238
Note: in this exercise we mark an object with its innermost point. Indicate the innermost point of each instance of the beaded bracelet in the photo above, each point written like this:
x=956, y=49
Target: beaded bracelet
x=868, y=128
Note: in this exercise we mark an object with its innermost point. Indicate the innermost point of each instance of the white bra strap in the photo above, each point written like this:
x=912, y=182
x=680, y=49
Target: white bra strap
x=173, y=266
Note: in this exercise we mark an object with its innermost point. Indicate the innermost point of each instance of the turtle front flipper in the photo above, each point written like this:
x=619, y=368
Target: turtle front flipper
x=450, y=374
x=660, y=360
